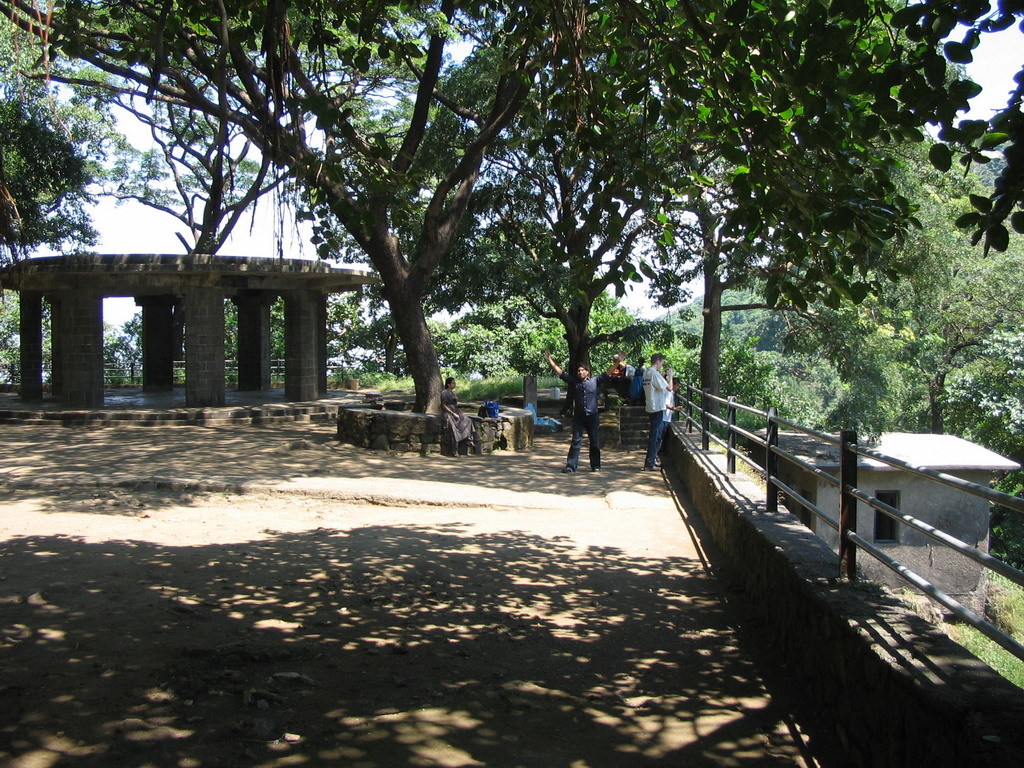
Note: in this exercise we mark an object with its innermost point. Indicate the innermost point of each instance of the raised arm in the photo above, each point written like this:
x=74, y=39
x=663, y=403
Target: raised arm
x=553, y=364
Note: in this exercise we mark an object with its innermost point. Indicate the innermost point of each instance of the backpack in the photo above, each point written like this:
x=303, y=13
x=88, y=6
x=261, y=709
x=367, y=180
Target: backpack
x=636, y=387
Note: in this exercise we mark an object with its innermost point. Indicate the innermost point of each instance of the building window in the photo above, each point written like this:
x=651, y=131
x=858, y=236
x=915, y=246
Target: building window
x=887, y=529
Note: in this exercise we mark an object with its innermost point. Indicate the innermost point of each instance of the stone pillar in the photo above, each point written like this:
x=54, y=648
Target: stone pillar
x=30, y=351
x=321, y=343
x=529, y=390
x=81, y=348
x=253, y=339
x=158, y=347
x=204, y=347
x=300, y=342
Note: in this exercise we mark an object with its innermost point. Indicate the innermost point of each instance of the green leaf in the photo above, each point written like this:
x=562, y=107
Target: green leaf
x=998, y=238
x=981, y=203
x=992, y=140
x=968, y=220
x=957, y=52
x=1017, y=222
x=795, y=296
x=973, y=129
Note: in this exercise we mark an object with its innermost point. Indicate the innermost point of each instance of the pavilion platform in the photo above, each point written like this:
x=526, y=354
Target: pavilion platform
x=134, y=407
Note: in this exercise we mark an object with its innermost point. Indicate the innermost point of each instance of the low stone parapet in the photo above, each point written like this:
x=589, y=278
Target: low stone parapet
x=900, y=692
x=185, y=417
x=405, y=432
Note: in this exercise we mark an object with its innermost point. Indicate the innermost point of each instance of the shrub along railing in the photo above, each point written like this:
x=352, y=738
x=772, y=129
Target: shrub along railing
x=700, y=409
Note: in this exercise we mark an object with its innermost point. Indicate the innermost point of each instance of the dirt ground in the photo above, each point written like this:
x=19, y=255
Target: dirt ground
x=174, y=629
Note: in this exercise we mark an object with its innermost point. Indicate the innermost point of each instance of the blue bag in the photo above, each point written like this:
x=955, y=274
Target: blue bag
x=636, y=388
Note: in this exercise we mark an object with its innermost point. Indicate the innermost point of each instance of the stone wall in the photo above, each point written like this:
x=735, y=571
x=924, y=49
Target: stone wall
x=899, y=691
x=190, y=417
x=404, y=432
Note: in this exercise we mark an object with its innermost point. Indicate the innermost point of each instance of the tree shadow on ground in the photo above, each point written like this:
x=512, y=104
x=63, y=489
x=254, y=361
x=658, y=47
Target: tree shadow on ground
x=377, y=646
x=294, y=453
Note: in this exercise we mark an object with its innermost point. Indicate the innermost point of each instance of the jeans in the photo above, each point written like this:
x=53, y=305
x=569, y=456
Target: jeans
x=591, y=424
x=658, y=423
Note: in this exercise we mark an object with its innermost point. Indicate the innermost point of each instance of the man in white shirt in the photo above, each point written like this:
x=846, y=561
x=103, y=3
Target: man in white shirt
x=657, y=393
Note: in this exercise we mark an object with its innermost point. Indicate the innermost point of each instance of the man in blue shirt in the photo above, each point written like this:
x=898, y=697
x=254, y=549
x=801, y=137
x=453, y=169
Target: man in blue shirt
x=585, y=416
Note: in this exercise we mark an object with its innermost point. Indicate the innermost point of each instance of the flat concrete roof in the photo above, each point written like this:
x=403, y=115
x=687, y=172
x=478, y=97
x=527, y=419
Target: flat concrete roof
x=138, y=274
x=938, y=452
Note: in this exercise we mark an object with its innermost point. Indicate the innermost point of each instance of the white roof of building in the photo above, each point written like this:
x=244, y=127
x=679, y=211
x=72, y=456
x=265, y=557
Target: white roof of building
x=938, y=452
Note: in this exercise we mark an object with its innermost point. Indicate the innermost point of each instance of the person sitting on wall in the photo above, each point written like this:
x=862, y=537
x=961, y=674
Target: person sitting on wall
x=618, y=375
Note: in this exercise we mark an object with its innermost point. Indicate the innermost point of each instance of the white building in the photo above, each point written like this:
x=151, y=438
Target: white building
x=949, y=509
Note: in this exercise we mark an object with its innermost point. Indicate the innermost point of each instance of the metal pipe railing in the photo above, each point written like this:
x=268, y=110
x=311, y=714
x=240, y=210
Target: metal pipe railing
x=850, y=542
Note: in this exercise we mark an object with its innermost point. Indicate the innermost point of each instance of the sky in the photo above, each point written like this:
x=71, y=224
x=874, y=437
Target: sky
x=134, y=228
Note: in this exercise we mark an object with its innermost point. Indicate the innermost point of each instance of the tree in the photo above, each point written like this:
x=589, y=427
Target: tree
x=10, y=363
x=567, y=213
x=986, y=404
x=792, y=192
x=122, y=350
x=899, y=349
x=43, y=181
x=361, y=333
x=708, y=247
x=203, y=172
x=53, y=144
x=941, y=30
x=343, y=95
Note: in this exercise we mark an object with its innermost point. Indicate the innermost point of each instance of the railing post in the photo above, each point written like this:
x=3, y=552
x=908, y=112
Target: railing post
x=771, y=460
x=689, y=408
x=730, y=439
x=847, y=503
x=705, y=422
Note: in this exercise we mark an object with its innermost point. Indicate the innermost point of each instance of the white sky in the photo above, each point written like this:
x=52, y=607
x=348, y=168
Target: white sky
x=134, y=228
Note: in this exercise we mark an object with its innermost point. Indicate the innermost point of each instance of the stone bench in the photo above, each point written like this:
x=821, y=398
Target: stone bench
x=382, y=429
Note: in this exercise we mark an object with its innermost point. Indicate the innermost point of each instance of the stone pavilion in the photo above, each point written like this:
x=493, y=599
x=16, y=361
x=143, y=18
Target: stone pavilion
x=182, y=300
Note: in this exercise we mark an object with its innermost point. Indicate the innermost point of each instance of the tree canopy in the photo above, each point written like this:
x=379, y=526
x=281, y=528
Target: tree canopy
x=347, y=98
x=43, y=180
x=938, y=31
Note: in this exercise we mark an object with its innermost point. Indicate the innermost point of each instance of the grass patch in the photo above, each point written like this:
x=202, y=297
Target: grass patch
x=386, y=382
x=1006, y=606
x=1005, y=611
x=466, y=389
x=499, y=387
x=1003, y=662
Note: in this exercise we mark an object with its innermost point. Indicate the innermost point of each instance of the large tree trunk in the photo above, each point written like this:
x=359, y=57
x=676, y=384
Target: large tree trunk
x=420, y=353
x=391, y=352
x=576, y=321
x=711, y=336
x=936, y=391
x=404, y=295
